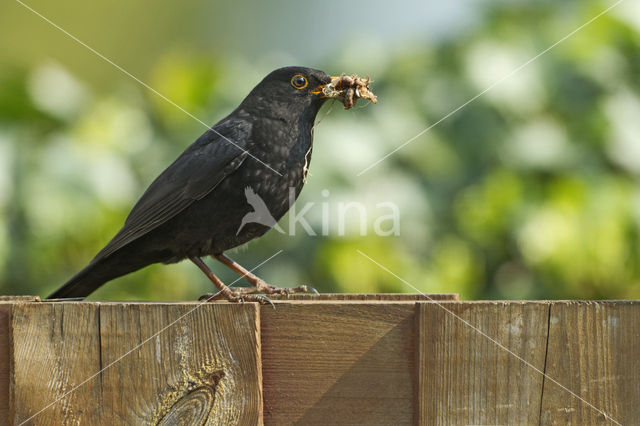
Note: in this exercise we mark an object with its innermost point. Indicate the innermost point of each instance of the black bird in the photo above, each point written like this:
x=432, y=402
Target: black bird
x=196, y=206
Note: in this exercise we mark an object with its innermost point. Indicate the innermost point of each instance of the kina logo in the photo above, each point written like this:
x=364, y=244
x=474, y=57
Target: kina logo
x=260, y=213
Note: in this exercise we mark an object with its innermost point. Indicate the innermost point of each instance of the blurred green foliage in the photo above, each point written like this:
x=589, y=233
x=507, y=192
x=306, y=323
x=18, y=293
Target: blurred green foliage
x=530, y=191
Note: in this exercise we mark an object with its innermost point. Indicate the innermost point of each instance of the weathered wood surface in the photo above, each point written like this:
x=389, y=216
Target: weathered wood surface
x=588, y=351
x=343, y=363
x=5, y=341
x=464, y=377
x=594, y=350
x=6, y=307
x=340, y=362
x=205, y=363
x=364, y=297
x=393, y=360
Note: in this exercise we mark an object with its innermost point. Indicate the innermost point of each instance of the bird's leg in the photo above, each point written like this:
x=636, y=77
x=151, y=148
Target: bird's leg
x=258, y=284
x=224, y=291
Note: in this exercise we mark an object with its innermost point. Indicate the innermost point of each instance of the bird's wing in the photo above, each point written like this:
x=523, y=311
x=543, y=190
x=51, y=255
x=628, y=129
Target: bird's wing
x=194, y=174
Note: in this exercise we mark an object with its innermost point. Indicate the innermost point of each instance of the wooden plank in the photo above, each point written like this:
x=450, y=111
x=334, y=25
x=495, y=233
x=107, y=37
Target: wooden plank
x=213, y=351
x=22, y=298
x=340, y=363
x=55, y=347
x=5, y=356
x=364, y=360
x=6, y=308
x=366, y=297
x=594, y=350
x=204, y=368
x=465, y=378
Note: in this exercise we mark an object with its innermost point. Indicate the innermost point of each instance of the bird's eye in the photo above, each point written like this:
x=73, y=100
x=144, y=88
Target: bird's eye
x=299, y=82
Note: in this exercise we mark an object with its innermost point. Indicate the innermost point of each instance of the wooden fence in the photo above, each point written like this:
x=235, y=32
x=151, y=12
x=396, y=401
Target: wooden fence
x=333, y=359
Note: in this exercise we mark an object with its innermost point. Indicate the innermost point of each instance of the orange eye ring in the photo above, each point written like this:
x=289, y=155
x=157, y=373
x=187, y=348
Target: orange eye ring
x=299, y=82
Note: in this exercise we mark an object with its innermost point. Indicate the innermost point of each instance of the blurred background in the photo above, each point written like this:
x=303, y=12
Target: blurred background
x=530, y=191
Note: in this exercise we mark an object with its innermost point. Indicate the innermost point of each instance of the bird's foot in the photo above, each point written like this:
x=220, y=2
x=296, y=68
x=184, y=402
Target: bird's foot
x=262, y=287
x=258, y=284
x=225, y=292
x=235, y=296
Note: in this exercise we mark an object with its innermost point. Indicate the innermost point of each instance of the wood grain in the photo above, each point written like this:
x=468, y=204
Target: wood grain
x=340, y=363
x=464, y=377
x=5, y=358
x=360, y=360
x=6, y=309
x=55, y=347
x=207, y=363
x=594, y=350
x=365, y=297
x=215, y=346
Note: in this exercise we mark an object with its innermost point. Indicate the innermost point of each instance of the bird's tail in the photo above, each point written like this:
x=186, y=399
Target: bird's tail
x=94, y=275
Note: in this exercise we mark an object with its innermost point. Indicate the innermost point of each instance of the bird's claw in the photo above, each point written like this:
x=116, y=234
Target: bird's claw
x=246, y=294
x=269, y=289
x=264, y=300
x=209, y=297
x=236, y=297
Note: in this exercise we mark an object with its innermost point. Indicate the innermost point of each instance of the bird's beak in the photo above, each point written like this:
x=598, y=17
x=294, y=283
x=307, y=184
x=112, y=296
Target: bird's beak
x=322, y=92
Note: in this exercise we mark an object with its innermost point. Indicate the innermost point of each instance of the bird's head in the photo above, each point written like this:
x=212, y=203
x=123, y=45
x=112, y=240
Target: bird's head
x=290, y=88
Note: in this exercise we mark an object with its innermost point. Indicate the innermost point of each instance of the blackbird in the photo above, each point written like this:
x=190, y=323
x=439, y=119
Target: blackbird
x=196, y=206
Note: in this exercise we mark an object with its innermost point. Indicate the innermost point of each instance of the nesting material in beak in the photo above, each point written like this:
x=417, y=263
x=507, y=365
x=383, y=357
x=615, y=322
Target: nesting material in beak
x=348, y=89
